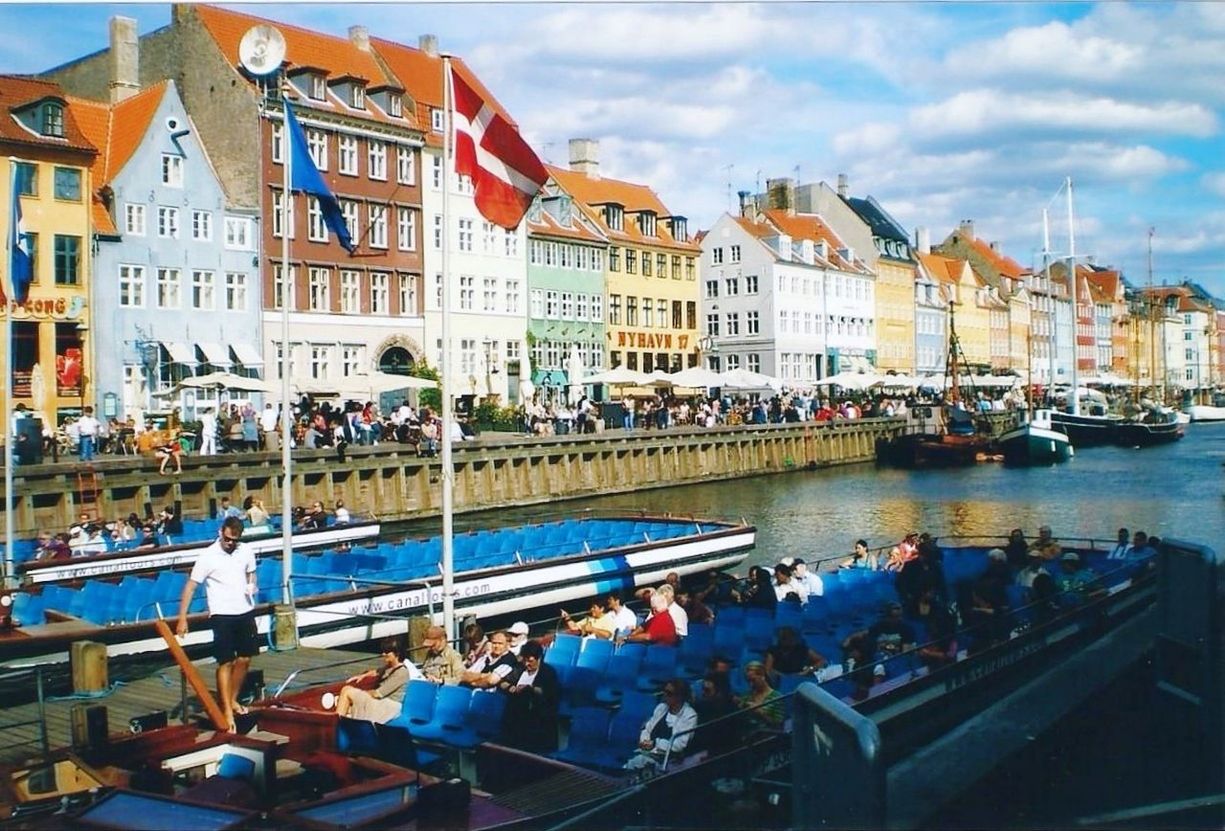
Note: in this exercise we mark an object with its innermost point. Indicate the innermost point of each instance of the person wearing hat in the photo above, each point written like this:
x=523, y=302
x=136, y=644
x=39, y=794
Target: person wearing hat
x=1033, y=567
x=1075, y=580
x=518, y=636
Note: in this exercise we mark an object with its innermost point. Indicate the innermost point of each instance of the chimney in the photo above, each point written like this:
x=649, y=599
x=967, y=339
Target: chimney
x=585, y=157
x=359, y=36
x=780, y=194
x=995, y=246
x=967, y=230
x=745, y=210
x=843, y=186
x=428, y=44
x=124, y=58
x=923, y=240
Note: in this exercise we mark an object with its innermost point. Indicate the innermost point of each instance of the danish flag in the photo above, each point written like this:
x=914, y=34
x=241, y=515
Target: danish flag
x=506, y=175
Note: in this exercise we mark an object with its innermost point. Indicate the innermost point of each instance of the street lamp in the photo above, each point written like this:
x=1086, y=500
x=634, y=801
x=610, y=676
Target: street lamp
x=706, y=348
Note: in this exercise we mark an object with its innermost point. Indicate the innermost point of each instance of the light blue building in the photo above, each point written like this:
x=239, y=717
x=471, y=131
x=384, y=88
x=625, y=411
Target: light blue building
x=176, y=287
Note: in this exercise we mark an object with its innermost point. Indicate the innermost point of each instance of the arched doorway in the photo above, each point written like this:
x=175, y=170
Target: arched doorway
x=395, y=360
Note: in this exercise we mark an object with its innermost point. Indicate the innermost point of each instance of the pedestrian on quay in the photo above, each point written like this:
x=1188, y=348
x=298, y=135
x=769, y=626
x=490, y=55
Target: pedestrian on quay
x=87, y=431
x=227, y=570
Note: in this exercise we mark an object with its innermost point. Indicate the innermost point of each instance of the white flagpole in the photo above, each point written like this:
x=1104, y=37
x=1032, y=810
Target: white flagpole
x=9, y=443
x=448, y=470
x=1075, y=312
x=286, y=407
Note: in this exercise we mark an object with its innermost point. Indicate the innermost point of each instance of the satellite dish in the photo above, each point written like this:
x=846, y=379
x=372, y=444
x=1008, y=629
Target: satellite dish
x=261, y=50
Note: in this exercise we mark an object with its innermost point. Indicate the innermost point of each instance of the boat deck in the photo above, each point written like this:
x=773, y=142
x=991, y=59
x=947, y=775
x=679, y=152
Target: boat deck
x=160, y=688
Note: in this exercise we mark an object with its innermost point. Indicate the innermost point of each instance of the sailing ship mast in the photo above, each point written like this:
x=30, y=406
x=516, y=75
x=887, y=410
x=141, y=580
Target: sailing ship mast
x=1075, y=310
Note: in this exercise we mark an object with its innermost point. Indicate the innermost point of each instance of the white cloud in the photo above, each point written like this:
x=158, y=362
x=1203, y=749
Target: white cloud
x=1053, y=50
x=1214, y=182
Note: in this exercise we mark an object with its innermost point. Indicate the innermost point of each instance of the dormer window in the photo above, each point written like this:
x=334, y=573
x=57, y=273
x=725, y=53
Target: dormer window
x=614, y=217
x=678, y=227
x=317, y=88
x=53, y=120
x=357, y=99
x=395, y=106
x=646, y=223
x=436, y=120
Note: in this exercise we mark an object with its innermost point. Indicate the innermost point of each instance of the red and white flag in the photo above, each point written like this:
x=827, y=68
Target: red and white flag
x=505, y=173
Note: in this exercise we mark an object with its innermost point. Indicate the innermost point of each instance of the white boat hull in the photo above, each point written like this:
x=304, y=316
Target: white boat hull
x=1205, y=412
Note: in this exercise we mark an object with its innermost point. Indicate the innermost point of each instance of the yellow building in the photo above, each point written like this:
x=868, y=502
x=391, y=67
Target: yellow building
x=651, y=267
x=971, y=314
x=52, y=365
x=895, y=316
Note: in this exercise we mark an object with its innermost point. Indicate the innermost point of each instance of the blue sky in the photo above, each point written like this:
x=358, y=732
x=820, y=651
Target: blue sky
x=943, y=111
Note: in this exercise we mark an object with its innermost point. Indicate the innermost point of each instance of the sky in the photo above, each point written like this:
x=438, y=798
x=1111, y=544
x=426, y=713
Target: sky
x=943, y=111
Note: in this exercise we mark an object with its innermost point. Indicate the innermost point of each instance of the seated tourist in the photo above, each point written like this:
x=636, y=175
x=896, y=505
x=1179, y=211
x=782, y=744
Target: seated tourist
x=1047, y=546
x=889, y=635
x=785, y=588
x=759, y=592
x=714, y=702
x=316, y=517
x=490, y=670
x=791, y=655
x=697, y=611
x=518, y=636
x=530, y=720
x=860, y=557
x=1075, y=581
x=442, y=664
x=903, y=552
x=918, y=576
x=1142, y=546
x=343, y=517
x=1016, y=548
x=475, y=644
x=669, y=729
x=257, y=515
x=626, y=620
x=762, y=701
x=660, y=628
x=680, y=618
x=382, y=703
x=810, y=581
x=599, y=623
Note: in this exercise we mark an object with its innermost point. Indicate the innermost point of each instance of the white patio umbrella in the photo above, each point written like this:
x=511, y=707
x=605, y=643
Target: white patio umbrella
x=743, y=379
x=574, y=374
x=621, y=376
x=899, y=381
x=849, y=380
x=696, y=377
x=527, y=390
x=367, y=386
x=226, y=381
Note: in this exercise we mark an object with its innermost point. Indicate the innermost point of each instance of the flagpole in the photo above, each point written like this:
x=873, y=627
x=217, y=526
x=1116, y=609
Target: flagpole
x=9, y=443
x=448, y=469
x=286, y=407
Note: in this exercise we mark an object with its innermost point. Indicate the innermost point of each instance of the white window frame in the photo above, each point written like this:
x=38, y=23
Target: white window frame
x=236, y=291
x=406, y=228
x=172, y=170
x=350, y=292
x=349, y=210
x=406, y=165
x=316, y=230
x=376, y=160
x=319, y=286
x=202, y=226
x=135, y=219
x=317, y=147
x=167, y=222
x=131, y=286
x=238, y=233
x=346, y=156
x=512, y=296
x=380, y=293
x=377, y=215
x=203, y=289
x=408, y=294
x=169, y=288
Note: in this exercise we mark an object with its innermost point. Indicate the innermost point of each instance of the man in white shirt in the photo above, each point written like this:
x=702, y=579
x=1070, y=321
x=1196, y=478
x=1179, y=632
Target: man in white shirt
x=208, y=432
x=87, y=430
x=624, y=618
x=810, y=581
x=1122, y=549
x=518, y=636
x=227, y=570
x=268, y=420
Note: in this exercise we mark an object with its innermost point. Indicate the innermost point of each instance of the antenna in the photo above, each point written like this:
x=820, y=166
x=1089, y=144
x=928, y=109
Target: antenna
x=728, y=168
x=261, y=50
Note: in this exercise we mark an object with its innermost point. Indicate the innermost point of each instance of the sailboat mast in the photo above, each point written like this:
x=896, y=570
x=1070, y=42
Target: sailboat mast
x=1152, y=317
x=1075, y=309
x=1050, y=315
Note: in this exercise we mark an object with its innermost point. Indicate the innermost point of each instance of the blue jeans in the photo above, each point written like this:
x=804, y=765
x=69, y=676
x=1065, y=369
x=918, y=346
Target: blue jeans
x=87, y=448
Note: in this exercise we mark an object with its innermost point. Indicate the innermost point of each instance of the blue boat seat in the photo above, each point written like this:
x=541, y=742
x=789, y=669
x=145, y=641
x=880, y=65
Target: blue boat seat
x=450, y=710
x=588, y=736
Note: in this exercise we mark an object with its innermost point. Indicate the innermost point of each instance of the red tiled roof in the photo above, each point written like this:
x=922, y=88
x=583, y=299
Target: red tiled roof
x=943, y=269
x=812, y=227
x=337, y=56
x=548, y=226
x=116, y=130
x=1000, y=262
x=16, y=92
x=590, y=192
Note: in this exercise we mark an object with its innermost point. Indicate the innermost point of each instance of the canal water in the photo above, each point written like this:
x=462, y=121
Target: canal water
x=1175, y=491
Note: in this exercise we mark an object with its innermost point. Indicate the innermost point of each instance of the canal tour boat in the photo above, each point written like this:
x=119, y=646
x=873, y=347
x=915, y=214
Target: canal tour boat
x=444, y=755
x=104, y=562
x=353, y=595
x=1035, y=442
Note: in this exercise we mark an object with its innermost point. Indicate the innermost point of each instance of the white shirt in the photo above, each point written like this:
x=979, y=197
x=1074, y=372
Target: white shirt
x=812, y=582
x=680, y=618
x=782, y=590
x=625, y=620
x=225, y=578
x=87, y=425
x=342, y=515
x=1121, y=551
x=268, y=419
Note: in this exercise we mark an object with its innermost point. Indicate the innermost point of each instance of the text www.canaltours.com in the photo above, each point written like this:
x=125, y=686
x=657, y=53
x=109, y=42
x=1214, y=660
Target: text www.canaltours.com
x=379, y=605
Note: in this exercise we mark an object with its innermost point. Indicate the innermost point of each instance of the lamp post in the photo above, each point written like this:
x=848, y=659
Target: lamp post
x=707, y=348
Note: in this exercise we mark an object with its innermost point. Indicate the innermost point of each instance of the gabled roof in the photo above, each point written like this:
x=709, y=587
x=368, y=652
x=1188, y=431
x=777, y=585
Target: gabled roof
x=421, y=75
x=18, y=92
x=943, y=269
x=589, y=192
x=547, y=225
x=116, y=130
x=336, y=56
x=812, y=227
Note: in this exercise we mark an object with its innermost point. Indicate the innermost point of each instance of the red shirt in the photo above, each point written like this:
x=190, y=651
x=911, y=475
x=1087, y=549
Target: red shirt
x=661, y=629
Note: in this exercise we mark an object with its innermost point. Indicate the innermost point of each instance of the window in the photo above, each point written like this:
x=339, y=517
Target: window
x=348, y=209
x=406, y=229
x=406, y=164
x=614, y=309
x=691, y=269
x=646, y=223
x=597, y=308
x=712, y=325
x=512, y=296
x=567, y=305
x=350, y=292
x=597, y=259
x=132, y=286
x=552, y=305
x=631, y=311
x=631, y=261
x=278, y=215
x=53, y=120
x=535, y=252
x=396, y=106
x=437, y=120
x=378, y=226
x=436, y=172
x=490, y=294
x=782, y=321
x=646, y=263
x=614, y=217
x=662, y=317
x=202, y=226
x=661, y=265
x=316, y=88
x=566, y=256
x=321, y=359
x=380, y=293
x=487, y=237
x=357, y=98
x=733, y=286
x=68, y=184
x=27, y=178
x=754, y=362
x=512, y=242
x=351, y=358
x=733, y=362
x=168, y=223
x=278, y=287
x=168, y=282
x=733, y=323
x=536, y=303
x=614, y=258
x=676, y=314
x=437, y=232
x=316, y=231
x=238, y=233
x=235, y=291
x=716, y=256
x=278, y=144
x=750, y=284
x=676, y=267
x=134, y=219
x=346, y=147
x=67, y=260
x=465, y=234
x=319, y=285
x=467, y=356
x=712, y=288
x=648, y=312
x=376, y=157
x=203, y=286
x=734, y=254
x=408, y=294
x=581, y=306
x=467, y=292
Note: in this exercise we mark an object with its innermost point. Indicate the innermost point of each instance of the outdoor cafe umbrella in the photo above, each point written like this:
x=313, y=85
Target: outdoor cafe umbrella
x=226, y=381
x=743, y=379
x=696, y=377
x=850, y=380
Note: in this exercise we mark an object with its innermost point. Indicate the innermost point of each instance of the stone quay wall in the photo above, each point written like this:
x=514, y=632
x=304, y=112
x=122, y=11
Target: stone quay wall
x=392, y=483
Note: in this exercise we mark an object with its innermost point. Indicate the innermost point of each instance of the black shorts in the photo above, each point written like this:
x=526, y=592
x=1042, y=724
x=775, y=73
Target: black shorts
x=234, y=636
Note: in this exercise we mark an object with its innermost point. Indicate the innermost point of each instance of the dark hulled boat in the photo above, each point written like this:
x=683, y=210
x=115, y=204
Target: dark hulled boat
x=1035, y=442
x=1086, y=430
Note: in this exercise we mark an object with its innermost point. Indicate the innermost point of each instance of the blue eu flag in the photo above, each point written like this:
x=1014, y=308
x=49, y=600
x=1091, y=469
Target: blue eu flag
x=305, y=177
x=21, y=264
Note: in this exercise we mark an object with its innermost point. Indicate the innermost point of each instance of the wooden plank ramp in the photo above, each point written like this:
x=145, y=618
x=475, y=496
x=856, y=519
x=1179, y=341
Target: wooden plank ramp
x=161, y=688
